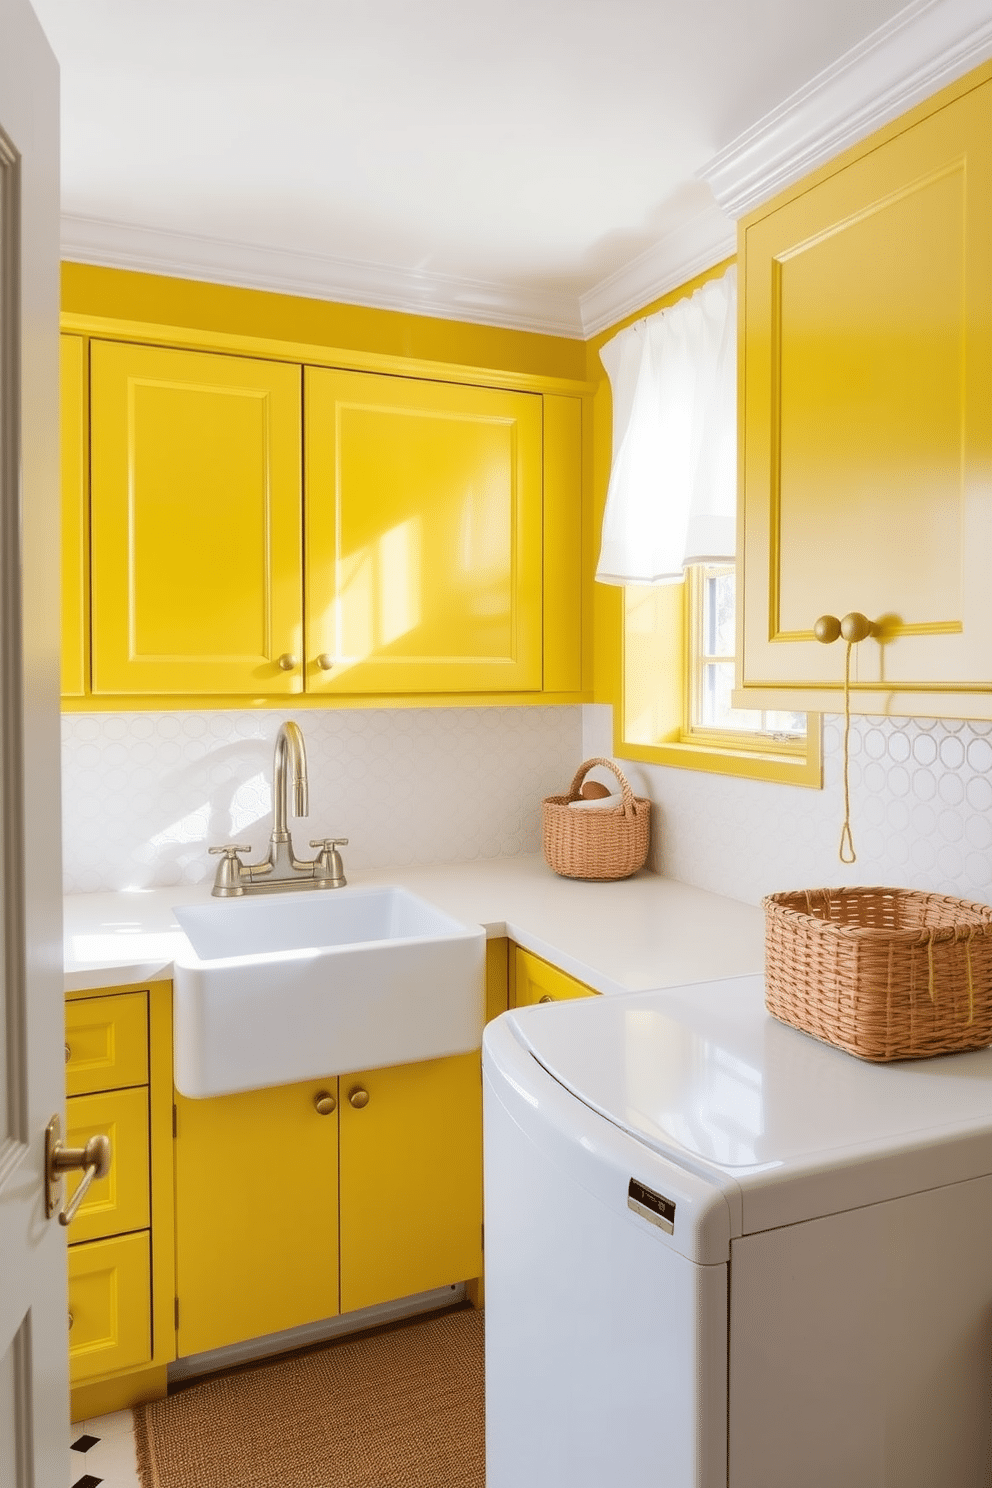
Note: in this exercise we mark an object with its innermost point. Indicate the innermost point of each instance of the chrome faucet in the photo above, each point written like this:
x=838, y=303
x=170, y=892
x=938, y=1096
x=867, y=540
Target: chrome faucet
x=282, y=869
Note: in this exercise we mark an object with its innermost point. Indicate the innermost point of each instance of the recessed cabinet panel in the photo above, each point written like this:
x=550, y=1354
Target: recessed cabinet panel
x=424, y=535
x=119, y=1202
x=196, y=527
x=411, y=1179
x=256, y=1214
x=870, y=369
x=106, y=1042
x=867, y=343
x=109, y=1306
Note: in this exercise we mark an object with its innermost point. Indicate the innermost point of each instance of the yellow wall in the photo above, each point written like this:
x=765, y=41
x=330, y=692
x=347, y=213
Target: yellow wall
x=119, y=294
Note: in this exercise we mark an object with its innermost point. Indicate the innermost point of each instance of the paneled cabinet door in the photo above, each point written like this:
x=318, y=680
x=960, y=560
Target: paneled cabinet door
x=411, y=1179
x=867, y=317
x=196, y=523
x=423, y=536
x=256, y=1213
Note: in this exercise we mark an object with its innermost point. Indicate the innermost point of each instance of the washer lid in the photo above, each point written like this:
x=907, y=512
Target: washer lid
x=704, y=1075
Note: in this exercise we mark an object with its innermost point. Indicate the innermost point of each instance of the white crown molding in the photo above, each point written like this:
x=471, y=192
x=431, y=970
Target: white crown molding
x=925, y=46
x=122, y=245
x=685, y=251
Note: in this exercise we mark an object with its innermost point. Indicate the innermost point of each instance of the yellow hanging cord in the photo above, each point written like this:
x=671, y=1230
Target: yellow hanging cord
x=846, y=850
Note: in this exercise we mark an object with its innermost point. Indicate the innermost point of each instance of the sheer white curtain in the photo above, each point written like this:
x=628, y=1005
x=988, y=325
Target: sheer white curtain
x=673, y=487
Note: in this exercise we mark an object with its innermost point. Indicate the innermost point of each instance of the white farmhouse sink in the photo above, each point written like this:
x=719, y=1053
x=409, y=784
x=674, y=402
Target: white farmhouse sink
x=274, y=990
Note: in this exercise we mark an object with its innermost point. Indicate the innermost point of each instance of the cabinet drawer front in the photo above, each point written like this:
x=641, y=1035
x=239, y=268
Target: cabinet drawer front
x=110, y=1306
x=118, y=1202
x=106, y=1040
x=535, y=981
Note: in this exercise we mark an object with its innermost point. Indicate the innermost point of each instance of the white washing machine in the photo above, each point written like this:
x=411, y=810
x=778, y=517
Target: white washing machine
x=719, y=1252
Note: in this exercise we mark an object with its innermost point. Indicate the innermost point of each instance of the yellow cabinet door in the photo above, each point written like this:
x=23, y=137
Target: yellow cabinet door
x=119, y=1202
x=423, y=536
x=73, y=426
x=256, y=1213
x=534, y=980
x=109, y=1306
x=411, y=1179
x=196, y=523
x=867, y=360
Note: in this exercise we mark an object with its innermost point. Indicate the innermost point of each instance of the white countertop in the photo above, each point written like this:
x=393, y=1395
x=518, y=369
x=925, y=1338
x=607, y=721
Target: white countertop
x=631, y=936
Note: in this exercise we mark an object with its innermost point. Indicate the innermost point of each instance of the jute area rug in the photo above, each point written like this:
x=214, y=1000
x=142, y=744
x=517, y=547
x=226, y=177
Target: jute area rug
x=401, y=1407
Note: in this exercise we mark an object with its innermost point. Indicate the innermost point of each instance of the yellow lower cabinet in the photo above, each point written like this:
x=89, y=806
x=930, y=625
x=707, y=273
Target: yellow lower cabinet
x=534, y=980
x=109, y=1306
x=256, y=1213
x=411, y=1179
x=119, y=1202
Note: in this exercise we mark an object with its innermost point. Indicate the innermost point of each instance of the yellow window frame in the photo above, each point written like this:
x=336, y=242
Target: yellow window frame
x=652, y=721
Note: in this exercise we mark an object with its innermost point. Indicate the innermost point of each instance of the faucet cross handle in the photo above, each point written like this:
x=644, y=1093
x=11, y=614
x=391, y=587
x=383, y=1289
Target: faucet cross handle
x=227, y=882
x=328, y=867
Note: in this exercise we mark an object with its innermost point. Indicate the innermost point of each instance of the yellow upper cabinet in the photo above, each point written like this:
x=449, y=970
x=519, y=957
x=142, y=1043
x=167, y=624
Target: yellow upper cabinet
x=423, y=536
x=75, y=535
x=431, y=547
x=196, y=523
x=867, y=419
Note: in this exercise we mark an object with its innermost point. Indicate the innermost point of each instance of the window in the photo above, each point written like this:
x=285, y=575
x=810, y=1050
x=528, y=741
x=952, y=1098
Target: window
x=675, y=705
x=711, y=623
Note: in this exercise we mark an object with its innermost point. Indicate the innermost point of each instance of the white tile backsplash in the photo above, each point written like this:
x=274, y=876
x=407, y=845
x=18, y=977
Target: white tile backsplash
x=145, y=794
x=921, y=813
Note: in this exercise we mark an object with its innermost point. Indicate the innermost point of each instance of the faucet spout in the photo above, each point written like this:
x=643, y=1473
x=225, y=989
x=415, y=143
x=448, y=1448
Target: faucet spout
x=290, y=756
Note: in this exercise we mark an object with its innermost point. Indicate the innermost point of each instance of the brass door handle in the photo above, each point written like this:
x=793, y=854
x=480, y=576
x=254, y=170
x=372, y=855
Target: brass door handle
x=358, y=1097
x=324, y=1103
x=94, y=1159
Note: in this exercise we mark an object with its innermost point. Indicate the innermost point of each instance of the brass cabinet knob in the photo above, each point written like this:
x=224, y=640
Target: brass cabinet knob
x=856, y=627
x=324, y=1103
x=287, y=661
x=827, y=629
x=68, y=1053
x=71, y=1320
x=358, y=1097
x=325, y=661
x=546, y=998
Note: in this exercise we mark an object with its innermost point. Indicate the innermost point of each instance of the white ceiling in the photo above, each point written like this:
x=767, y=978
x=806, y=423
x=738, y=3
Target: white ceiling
x=527, y=162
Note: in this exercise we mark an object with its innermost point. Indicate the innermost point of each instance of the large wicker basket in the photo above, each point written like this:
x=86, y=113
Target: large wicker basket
x=883, y=973
x=601, y=844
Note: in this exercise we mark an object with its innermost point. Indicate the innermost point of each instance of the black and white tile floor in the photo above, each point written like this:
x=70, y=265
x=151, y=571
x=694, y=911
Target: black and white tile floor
x=101, y=1453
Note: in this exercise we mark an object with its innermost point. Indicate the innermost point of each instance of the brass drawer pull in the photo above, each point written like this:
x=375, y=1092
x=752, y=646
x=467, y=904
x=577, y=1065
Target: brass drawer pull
x=287, y=661
x=94, y=1160
x=546, y=998
x=325, y=661
x=324, y=1103
x=358, y=1097
x=68, y=1053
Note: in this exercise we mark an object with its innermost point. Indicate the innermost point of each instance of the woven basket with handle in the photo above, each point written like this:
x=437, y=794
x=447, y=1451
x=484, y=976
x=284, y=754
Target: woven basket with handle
x=602, y=844
x=883, y=973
